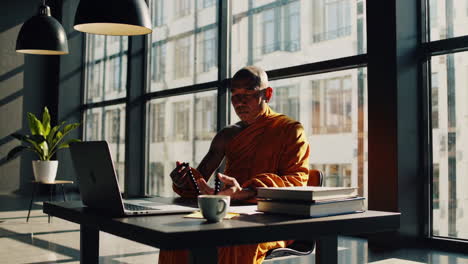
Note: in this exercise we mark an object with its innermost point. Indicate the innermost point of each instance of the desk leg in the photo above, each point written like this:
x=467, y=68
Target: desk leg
x=327, y=250
x=204, y=256
x=89, y=245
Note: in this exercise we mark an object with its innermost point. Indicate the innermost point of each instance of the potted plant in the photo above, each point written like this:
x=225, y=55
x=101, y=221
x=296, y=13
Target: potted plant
x=44, y=141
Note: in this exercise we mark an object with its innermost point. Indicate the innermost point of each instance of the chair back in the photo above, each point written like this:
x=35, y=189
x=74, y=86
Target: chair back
x=315, y=178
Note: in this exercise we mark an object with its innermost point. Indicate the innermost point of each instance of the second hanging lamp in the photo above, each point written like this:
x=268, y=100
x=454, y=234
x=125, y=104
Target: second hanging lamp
x=113, y=17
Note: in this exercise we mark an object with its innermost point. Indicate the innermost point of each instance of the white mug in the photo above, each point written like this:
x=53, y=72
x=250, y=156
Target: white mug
x=213, y=207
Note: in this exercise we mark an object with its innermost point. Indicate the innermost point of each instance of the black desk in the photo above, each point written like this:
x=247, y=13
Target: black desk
x=173, y=232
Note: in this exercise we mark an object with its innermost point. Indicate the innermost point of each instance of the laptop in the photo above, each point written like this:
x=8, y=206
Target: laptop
x=99, y=188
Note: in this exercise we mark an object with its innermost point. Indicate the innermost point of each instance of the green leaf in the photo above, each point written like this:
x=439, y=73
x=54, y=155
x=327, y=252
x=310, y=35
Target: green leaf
x=15, y=151
x=58, y=137
x=67, y=144
x=45, y=150
x=70, y=127
x=35, y=125
x=51, y=136
x=36, y=148
x=61, y=134
x=46, y=121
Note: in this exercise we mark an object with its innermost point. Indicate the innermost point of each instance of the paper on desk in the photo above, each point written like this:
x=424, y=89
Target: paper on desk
x=244, y=209
x=199, y=215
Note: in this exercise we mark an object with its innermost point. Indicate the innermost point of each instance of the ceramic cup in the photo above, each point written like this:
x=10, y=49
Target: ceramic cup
x=213, y=207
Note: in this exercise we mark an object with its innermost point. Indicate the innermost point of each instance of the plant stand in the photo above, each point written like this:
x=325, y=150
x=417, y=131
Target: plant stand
x=52, y=187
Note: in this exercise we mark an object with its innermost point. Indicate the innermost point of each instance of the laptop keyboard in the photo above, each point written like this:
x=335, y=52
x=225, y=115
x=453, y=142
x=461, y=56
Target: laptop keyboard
x=133, y=207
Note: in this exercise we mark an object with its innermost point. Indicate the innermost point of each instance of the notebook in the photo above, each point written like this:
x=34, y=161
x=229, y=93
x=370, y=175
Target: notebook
x=99, y=187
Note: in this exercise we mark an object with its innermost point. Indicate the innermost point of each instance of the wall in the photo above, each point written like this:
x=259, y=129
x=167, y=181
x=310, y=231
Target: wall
x=27, y=84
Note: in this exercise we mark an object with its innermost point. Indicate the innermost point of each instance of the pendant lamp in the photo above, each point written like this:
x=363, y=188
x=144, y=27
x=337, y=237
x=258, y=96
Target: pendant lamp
x=42, y=35
x=113, y=17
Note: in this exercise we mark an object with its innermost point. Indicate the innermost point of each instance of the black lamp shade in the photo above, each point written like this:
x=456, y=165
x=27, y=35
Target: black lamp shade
x=43, y=35
x=113, y=17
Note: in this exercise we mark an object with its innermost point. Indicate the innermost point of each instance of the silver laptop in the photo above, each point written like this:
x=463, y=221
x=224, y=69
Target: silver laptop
x=99, y=188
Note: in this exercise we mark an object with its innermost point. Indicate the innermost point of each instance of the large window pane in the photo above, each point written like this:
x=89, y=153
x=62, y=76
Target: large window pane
x=332, y=107
x=449, y=142
x=448, y=18
x=276, y=34
x=106, y=68
x=180, y=128
x=108, y=123
x=183, y=49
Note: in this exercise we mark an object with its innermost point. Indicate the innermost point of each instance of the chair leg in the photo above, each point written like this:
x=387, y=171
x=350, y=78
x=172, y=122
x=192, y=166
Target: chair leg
x=32, y=200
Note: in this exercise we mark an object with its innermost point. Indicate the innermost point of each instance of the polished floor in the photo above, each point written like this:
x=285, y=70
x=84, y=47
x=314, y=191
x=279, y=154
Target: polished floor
x=39, y=242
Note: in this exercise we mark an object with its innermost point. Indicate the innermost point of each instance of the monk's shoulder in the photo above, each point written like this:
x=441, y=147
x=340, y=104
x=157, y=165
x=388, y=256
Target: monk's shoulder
x=229, y=132
x=284, y=122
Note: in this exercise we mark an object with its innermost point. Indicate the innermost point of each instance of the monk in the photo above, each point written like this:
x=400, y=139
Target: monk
x=264, y=149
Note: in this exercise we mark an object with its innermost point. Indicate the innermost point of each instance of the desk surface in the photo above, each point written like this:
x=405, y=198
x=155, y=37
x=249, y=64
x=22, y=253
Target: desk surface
x=176, y=232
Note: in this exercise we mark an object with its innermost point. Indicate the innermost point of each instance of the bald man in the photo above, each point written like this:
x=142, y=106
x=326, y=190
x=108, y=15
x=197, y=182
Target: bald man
x=263, y=149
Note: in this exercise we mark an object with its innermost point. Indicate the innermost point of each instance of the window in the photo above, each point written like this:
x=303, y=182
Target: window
x=208, y=3
x=279, y=34
x=433, y=13
x=182, y=51
x=156, y=178
x=435, y=100
x=286, y=101
x=157, y=11
x=92, y=126
x=449, y=145
x=157, y=113
x=270, y=38
x=158, y=67
x=176, y=117
x=106, y=67
x=107, y=123
x=95, y=76
x=292, y=27
x=332, y=19
x=207, y=55
x=337, y=175
x=281, y=29
x=447, y=19
x=181, y=120
x=182, y=8
x=435, y=186
x=115, y=67
x=112, y=125
x=205, y=117
x=332, y=105
x=182, y=58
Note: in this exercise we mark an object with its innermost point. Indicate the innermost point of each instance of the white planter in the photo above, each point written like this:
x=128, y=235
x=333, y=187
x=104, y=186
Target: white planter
x=45, y=171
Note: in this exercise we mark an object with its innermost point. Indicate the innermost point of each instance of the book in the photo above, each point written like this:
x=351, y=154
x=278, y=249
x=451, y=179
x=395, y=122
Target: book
x=306, y=193
x=313, y=209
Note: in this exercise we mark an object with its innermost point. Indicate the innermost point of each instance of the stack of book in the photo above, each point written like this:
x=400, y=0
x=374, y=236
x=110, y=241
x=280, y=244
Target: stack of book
x=310, y=201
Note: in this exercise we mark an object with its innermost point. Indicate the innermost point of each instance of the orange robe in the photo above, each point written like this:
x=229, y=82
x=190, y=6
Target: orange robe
x=271, y=152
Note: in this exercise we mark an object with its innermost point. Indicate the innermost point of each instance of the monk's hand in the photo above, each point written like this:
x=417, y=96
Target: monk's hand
x=179, y=175
x=232, y=188
x=204, y=187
